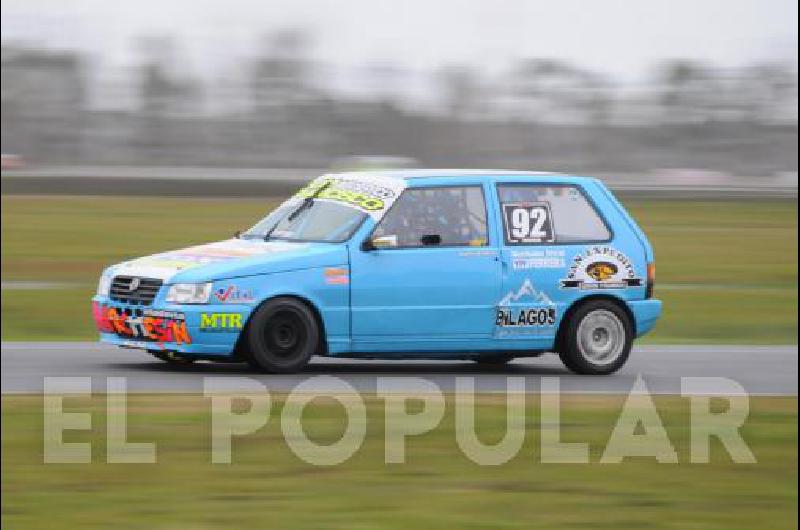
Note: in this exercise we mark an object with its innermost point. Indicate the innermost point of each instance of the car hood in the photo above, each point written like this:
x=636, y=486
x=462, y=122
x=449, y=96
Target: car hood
x=233, y=258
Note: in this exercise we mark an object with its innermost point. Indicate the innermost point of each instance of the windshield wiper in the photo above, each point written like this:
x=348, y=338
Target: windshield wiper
x=307, y=202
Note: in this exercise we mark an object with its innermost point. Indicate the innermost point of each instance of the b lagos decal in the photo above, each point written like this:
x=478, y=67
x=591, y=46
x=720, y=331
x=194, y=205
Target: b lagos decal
x=601, y=268
x=533, y=316
x=525, y=310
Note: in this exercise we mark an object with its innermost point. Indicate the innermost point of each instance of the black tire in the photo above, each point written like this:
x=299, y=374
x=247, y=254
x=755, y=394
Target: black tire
x=170, y=357
x=283, y=334
x=584, y=349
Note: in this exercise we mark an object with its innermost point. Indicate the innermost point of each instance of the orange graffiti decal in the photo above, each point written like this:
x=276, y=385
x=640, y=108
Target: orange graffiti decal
x=180, y=333
x=164, y=332
x=150, y=327
x=118, y=322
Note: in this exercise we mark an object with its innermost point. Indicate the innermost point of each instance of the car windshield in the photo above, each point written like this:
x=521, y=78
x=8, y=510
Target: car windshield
x=315, y=220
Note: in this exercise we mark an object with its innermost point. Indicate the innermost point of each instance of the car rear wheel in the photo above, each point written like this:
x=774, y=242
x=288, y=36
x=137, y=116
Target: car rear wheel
x=283, y=335
x=597, y=339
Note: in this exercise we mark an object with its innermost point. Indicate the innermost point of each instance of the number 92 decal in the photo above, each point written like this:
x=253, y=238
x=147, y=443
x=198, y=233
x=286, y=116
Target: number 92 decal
x=527, y=223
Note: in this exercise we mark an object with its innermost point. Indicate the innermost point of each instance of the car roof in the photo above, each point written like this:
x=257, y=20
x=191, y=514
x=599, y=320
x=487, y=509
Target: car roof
x=467, y=174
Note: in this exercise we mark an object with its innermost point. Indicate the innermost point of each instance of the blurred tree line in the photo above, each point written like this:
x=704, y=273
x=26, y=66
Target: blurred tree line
x=280, y=111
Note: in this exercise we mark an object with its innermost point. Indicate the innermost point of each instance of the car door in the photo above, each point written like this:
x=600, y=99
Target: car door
x=545, y=229
x=433, y=275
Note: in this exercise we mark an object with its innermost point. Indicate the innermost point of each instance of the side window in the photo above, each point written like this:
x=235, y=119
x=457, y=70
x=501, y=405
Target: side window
x=440, y=216
x=540, y=214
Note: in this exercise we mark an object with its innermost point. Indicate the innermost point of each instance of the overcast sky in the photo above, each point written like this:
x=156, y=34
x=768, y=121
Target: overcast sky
x=622, y=38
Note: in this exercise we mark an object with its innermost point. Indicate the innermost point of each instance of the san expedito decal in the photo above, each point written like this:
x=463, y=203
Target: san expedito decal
x=601, y=268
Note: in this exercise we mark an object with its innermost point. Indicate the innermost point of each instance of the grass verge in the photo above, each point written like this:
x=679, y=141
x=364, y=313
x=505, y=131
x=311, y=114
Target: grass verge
x=267, y=486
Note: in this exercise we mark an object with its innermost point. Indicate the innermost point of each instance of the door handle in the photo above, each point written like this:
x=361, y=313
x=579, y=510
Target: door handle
x=503, y=265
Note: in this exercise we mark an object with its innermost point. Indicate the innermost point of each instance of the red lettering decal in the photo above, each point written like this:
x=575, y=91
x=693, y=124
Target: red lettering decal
x=181, y=333
x=118, y=322
x=149, y=327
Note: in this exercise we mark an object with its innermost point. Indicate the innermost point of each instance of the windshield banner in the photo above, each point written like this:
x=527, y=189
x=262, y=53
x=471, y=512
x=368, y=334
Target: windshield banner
x=370, y=194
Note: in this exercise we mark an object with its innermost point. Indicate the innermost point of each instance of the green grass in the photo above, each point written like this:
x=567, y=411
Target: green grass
x=728, y=243
x=267, y=486
x=727, y=270
x=48, y=315
x=73, y=238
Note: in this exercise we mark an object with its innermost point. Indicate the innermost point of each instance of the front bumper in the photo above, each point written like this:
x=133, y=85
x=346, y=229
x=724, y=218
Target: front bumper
x=645, y=314
x=203, y=329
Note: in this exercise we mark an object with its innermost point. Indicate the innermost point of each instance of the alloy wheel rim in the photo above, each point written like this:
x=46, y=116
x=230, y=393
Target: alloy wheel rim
x=601, y=337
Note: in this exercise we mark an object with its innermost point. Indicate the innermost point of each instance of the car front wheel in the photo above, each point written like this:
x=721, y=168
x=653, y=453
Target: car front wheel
x=283, y=335
x=598, y=338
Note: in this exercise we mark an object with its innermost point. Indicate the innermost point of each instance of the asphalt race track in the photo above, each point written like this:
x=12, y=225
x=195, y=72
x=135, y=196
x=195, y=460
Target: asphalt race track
x=764, y=370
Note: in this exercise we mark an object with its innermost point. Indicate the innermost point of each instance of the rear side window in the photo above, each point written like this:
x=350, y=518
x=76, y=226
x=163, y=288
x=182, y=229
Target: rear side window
x=549, y=214
x=453, y=215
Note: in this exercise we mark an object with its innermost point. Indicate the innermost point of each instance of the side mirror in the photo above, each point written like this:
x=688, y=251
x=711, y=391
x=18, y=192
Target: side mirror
x=431, y=240
x=379, y=242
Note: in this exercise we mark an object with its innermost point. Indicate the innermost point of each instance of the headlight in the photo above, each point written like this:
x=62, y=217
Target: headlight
x=104, y=285
x=189, y=293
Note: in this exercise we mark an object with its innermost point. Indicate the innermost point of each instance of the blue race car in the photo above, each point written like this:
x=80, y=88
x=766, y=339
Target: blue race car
x=481, y=265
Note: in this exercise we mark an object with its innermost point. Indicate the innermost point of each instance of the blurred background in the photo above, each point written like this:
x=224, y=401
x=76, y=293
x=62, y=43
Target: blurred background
x=705, y=89
x=687, y=109
x=130, y=128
